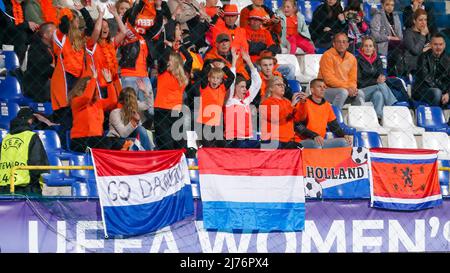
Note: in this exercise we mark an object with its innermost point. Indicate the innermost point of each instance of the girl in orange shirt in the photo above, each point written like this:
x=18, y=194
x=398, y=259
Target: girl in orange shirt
x=277, y=117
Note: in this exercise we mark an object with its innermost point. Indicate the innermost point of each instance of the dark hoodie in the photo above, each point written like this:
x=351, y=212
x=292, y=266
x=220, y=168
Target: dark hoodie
x=36, y=151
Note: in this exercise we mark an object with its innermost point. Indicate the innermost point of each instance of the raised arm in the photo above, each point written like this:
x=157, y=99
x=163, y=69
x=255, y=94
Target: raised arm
x=122, y=29
x=98, y=25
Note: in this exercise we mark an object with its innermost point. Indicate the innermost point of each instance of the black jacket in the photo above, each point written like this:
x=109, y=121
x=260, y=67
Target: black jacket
x=36, y=152
x=321, y=19
x=408, y=18
x=368, y=73
x=36, y=80
x=432, y=72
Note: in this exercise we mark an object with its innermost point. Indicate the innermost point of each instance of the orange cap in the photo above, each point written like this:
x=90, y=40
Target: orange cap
x=230, y=10
x=258, y=13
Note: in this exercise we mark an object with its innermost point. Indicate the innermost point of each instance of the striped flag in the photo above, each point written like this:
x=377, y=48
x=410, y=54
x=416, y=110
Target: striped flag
x=404, y=179
x=141, y=192
x=252, y=189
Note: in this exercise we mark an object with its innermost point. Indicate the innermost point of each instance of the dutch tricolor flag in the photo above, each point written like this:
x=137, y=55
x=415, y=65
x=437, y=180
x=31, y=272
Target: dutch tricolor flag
x=141, y=192
x=252, y=189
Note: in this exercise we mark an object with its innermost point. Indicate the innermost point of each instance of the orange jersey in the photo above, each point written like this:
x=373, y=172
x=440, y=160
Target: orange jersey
x=211, y=104
x=277, y=120
x=146, y=18
x=103, y=56
x=317, y=116
x=259, y=36
x=265, y=81
x=140, y=69
x=291, y=25
x=240, y=65
x=238, y=36
x=170, y=93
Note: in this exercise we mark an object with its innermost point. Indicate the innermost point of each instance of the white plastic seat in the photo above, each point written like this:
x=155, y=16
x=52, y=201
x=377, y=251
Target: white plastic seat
x=308, y=65
x=437, y=141
x=398, y=118
x=401, y=139
x=364, y=118
x=241, y=3
x=289, y=59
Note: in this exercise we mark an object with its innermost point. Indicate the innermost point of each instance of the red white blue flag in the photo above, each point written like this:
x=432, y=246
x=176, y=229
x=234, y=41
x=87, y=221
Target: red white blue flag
x=404, y=179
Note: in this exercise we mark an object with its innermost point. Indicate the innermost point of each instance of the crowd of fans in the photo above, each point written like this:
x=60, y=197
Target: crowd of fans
x=157, y=68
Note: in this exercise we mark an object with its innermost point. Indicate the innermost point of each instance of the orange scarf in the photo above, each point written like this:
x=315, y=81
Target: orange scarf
x=17, y=12
x=109, y=55
x=49, y=13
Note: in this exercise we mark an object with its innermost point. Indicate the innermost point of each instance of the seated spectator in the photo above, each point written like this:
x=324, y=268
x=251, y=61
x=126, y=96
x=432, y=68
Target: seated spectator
x=259, y=39
x=416, y=40
x=294, y=31
x=125, y=121
x=315, y=114
x=271, y=21
x=268, y=65
x=371, y=79
x=432, y=80
x=238, y=114
x=338, y=69
x=88, y=115
x=40, y=65
x=386, y=28
x=237, y=34
x=328, y=19
x=277, y=117
x=22, y=147
x=408, y=15
x=357, y=27
x=222, y=51
x=216, y=79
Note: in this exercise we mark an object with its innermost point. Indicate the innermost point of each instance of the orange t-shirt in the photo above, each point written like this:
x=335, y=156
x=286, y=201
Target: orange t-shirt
x=170, y=93
x=140, y=69
x=291, y=25
x=72, y=59
x=260, y=35
x=316, y=115
x=146, y=18
x=211, y=104
x=277, y=116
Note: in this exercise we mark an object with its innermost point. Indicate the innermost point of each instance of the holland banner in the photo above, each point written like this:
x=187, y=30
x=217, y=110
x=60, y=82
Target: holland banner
x=404, y=179
x=252, y=189
x=336, y=173
x=141, y=192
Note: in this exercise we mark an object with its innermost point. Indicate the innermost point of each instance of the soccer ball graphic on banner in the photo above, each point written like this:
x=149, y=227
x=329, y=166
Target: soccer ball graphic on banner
x=359, y=155
x=312, y=188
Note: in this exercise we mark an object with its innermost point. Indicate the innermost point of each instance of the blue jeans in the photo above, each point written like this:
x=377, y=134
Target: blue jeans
x=328, y=143
x=380, y=95
x=131, y=82
x=141, y=133
x=339, y=96
x=287, y=70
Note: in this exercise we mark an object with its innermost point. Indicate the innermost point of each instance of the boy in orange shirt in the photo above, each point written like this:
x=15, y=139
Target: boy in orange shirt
x=315, y=114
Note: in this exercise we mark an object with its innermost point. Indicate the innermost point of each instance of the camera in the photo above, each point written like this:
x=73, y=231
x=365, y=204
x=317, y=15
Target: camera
x=351, y=16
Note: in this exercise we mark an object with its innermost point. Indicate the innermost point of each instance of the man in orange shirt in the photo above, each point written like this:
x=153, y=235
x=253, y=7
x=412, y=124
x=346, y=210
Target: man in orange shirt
x=259, y=39
x=338, y=69
x=237, y=34
x=315, y=114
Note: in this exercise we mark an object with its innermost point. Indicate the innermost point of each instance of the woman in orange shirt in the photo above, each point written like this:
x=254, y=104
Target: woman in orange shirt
x=277, y=117
x=88, y=114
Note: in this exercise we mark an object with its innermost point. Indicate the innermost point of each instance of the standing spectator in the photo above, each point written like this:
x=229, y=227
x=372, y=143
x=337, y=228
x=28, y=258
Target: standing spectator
x=432, y=81
x=294, y=31
x=386, y=28
x=237, y=34
x=328, y=19
x=338, y=68
x=40, y=65
x=259, y=39
x=122, y=6
x=408, y=15
x=124, y=121
x=88, y=114
x=238, y=113
x=172, y=81
x=416, y=40
x=189, y=10
x=315, y=114
x=357, y=27
x=277, y=116
x=371, y=79
x=22, y=147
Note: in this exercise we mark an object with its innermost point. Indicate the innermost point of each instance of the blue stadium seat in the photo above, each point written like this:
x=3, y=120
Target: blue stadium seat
x=80, y=189
x=444, y=176
x=83, y=175
x=367, y=139
x=432, y=119
x=369, y=10
x=57, y=178
x=10, y=91
x=52, y=144
x=295, y=86
x=340, y=119
x=3, y=133
x=307, y=8
x=11, y=60
x=8, y=111
x=194, y=176
x=41, y=107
